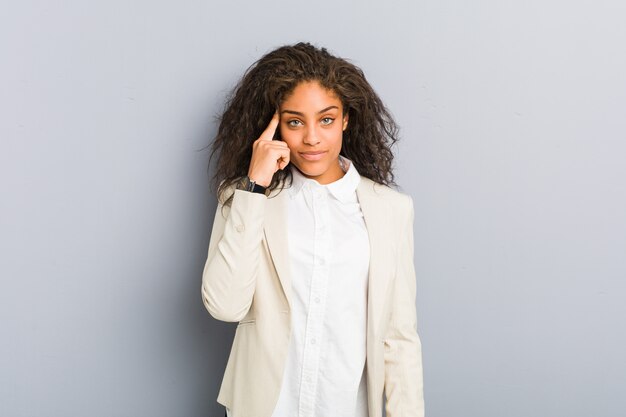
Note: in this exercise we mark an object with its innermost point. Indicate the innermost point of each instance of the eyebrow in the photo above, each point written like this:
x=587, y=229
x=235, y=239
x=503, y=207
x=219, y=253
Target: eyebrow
x=302, y=114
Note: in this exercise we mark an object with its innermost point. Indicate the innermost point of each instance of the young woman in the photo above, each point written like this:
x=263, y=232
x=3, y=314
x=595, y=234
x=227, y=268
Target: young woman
x=311, y=250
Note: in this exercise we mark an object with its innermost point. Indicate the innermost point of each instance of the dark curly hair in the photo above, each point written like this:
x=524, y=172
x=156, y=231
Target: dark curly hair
x=366, y=142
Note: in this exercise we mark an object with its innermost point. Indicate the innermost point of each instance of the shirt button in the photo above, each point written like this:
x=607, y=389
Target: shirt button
x=240, y=228
x=321, y=261
x=317, y=299
x=312, y=341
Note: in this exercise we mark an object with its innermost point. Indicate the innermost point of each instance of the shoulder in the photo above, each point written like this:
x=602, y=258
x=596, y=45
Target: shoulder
x=400, y=203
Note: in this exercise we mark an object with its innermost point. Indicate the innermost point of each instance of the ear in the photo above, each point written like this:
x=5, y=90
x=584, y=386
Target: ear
x=345, y=121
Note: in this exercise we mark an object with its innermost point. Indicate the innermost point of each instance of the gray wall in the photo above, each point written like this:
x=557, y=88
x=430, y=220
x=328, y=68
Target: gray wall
x=513, y=122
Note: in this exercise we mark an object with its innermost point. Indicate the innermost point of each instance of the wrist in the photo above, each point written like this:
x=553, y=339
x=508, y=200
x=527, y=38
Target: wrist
x=259, y=178
x=249, y=184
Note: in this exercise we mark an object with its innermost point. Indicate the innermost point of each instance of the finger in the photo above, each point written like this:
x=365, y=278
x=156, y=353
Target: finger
x=283, y=161
x=275, y=144
x=270, y=130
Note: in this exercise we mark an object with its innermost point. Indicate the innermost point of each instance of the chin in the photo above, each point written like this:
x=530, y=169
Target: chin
x=310, y=171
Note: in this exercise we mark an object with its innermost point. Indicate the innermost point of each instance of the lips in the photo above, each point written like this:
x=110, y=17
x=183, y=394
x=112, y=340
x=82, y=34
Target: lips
x=313, y=156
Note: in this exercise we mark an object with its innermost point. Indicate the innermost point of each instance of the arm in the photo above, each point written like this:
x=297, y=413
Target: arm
x=230, y=271
x=403, y=352
x=232, y=265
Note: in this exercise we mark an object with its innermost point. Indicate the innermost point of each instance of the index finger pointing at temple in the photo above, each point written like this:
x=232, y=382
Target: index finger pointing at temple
x=268, y=133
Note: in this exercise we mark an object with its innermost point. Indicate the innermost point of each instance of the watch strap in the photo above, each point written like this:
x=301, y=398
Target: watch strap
x=248, y=184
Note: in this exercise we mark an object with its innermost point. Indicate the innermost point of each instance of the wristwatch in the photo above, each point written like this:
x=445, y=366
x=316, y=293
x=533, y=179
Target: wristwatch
x=248, y=184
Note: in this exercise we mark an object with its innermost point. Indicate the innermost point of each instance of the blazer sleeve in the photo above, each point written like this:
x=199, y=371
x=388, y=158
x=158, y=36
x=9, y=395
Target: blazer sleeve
x=230, y=272
x=403, y=352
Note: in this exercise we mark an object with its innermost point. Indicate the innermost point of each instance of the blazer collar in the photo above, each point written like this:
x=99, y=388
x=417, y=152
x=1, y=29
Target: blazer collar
x=376, y=213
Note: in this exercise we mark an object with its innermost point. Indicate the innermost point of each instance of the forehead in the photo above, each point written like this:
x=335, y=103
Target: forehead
x=311, y=94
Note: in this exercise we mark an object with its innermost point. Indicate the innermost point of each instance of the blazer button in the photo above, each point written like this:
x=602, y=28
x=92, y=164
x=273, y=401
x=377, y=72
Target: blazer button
x=240, y=228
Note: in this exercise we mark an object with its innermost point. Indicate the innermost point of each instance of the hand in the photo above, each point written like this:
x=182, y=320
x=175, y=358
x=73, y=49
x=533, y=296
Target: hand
x=268, y=156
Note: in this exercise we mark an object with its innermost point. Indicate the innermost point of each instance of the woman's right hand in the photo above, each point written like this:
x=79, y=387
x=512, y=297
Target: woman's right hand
x=268, y=155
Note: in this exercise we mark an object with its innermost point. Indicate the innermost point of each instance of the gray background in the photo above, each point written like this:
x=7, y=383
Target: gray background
x=513, y=121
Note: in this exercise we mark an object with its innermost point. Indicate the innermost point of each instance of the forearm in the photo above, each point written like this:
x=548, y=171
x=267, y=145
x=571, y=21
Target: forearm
x=230, y=271
x=403, y=350
x=403, y=373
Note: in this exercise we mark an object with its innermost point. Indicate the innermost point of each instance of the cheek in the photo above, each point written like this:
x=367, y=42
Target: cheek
x=288, y=136
x=334, y=136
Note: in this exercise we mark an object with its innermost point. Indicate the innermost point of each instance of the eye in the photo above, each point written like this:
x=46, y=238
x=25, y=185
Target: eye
x=327, y=120
x=293, y=123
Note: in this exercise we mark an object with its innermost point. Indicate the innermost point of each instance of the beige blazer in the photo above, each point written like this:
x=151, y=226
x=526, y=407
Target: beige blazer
x=246, y=279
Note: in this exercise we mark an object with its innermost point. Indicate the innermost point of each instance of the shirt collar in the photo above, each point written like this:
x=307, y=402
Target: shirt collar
x=342, y=189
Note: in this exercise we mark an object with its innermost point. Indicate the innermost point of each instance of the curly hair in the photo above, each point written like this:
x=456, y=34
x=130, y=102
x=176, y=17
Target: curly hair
x=269, y=81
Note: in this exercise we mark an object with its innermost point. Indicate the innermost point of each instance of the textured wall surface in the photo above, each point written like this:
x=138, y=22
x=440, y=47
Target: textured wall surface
x=513, y=122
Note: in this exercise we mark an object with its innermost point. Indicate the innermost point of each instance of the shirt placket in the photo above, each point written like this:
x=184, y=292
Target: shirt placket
x=317, y=302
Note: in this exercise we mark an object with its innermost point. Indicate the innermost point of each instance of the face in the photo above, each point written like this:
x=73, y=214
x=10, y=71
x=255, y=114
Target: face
x=312, y=124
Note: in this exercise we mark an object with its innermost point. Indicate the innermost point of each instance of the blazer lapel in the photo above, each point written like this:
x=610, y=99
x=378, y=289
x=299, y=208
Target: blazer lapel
x=376, y=212
x=276, y=235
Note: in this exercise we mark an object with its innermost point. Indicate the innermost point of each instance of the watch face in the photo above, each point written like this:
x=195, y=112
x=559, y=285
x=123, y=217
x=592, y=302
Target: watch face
x=249, y=184
x=244, y=184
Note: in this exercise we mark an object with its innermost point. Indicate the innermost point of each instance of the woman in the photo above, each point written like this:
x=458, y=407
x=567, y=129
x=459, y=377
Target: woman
x=311, y=251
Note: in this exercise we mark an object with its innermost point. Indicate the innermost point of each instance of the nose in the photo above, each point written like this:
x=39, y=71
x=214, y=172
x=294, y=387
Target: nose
x=310, y=136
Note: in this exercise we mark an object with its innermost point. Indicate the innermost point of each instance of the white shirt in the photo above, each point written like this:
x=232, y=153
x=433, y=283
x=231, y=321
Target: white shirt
x=329, y=255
